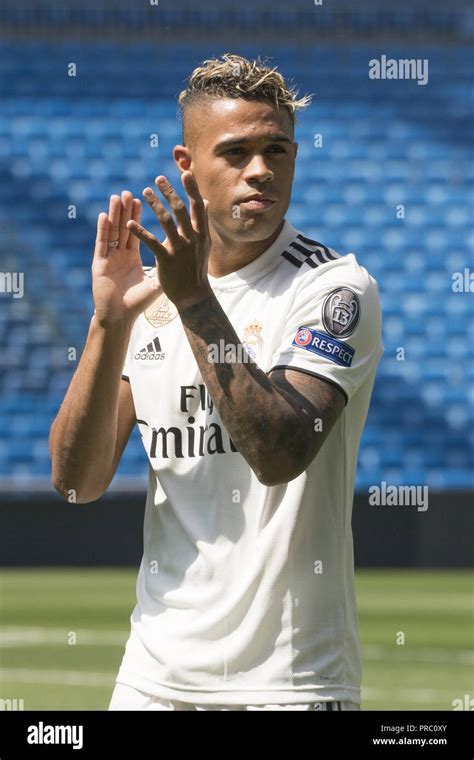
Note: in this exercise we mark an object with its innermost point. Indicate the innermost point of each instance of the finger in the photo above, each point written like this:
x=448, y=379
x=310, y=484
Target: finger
x=206, y=216
x=125, y=216
x=164, y=216
x=102, y=237
x=133, y=242
x=146, y=237
x=115, y=207
x=178, y=206
x=196, y=203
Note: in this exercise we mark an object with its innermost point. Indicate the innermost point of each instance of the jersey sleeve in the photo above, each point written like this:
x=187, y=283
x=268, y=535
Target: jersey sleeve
x=126, y=366
x=333, y=329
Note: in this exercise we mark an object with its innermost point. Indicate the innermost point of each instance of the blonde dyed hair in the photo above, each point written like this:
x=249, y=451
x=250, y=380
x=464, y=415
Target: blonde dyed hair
x=233, y=76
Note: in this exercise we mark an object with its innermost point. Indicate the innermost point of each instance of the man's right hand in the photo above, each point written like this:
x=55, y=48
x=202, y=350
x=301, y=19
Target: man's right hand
x=120, y=289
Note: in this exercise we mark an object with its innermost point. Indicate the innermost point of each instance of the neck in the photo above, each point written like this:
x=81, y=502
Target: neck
x=230, y=254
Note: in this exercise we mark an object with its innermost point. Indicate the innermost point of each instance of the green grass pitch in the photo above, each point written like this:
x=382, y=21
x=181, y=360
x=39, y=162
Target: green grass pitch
x=62, y=635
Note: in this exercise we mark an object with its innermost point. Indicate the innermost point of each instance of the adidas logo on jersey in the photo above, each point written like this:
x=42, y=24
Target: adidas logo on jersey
x=151, y=352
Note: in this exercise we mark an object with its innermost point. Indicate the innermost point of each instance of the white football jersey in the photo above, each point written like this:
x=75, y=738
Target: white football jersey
x=245, y=593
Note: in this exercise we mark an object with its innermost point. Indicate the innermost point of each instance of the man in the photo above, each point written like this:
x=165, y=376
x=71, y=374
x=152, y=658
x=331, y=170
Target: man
x=247, y=358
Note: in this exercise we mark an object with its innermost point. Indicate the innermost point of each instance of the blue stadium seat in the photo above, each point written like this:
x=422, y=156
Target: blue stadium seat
x=81, y=140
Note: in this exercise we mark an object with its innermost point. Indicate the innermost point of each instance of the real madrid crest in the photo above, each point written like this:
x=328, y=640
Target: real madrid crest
x=161, y=311
x=253, y=340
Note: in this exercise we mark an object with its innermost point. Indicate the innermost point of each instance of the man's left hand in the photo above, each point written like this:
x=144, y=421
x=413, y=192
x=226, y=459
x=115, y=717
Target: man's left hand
x=182, y=258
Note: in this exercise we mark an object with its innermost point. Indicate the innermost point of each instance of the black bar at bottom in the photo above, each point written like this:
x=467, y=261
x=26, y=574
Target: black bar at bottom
x=329, y=734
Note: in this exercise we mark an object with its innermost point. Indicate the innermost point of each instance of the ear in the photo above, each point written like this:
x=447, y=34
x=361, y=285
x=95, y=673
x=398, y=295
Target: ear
x=295, y=148
x=182, y=158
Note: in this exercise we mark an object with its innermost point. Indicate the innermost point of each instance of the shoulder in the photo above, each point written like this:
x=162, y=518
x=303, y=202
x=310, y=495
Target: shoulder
x=316, y=267
x=338, y=291
x=347, y=272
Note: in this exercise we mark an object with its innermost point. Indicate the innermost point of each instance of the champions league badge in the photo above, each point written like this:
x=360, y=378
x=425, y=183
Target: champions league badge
x=253, y=341
x=161, y=311
x=341, y=312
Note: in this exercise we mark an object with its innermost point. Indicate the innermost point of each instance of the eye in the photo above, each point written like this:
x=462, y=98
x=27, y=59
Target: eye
x=233, y=151
x=277, y=148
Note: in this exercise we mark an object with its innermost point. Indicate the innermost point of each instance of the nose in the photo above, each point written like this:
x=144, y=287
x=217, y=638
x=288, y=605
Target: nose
x=257, y=170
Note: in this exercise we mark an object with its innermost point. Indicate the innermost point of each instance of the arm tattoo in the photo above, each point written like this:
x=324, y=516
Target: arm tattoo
x=270, y=420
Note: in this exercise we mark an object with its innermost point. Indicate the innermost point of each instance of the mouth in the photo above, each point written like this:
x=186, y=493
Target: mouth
x=257, y=202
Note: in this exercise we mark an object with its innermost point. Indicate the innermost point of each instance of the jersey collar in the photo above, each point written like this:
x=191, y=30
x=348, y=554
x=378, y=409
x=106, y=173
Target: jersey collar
x=259, y=266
